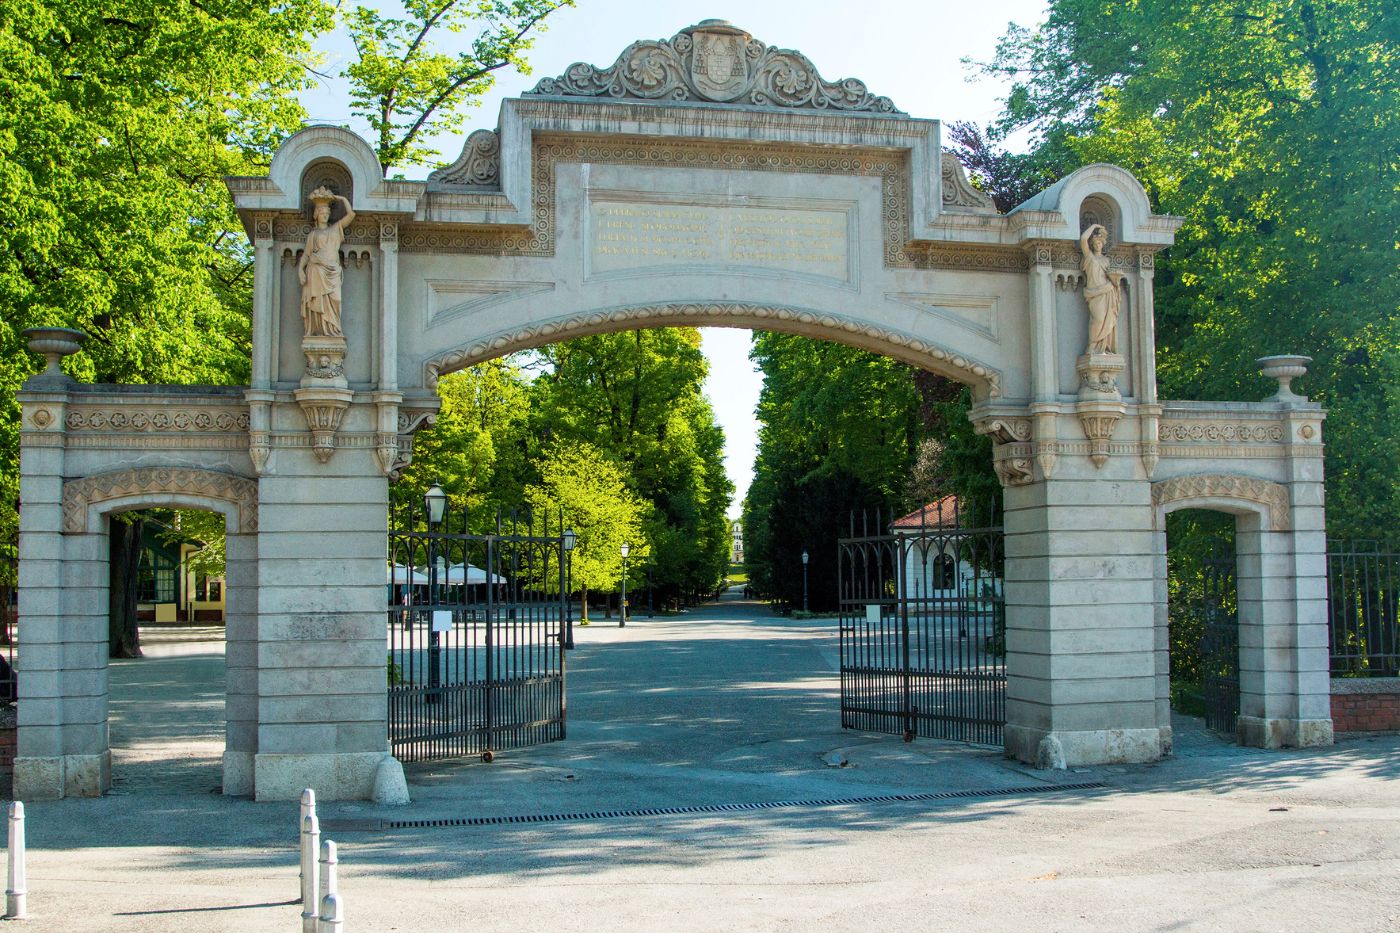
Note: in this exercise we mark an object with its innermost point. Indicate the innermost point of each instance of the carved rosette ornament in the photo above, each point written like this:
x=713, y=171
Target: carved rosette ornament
x=715, y=62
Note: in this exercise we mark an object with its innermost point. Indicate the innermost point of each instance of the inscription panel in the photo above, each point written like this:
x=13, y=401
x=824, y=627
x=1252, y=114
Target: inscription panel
x=629, y=234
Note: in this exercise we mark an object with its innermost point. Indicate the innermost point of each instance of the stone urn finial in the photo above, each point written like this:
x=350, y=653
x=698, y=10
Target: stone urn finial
x=1285, y=369
x=53, y=343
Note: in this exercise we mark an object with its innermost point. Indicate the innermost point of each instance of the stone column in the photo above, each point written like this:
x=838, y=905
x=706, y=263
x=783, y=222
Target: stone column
x=241, y=660
x=322, y=688
x=1081, y=674
x=62, y=742
x=1285, y=678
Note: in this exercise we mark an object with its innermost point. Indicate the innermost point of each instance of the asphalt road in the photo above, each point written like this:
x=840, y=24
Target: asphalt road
x=726, y=706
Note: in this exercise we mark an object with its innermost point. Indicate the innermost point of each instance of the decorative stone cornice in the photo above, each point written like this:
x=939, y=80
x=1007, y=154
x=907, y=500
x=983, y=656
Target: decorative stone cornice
x=896, y=343
x=79, y=494
x=715, y=63
x=1217, y=486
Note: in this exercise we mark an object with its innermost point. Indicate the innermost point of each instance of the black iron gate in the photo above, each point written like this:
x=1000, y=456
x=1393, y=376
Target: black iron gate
x=477, y=621
x=1220, y=642
x=923, y=626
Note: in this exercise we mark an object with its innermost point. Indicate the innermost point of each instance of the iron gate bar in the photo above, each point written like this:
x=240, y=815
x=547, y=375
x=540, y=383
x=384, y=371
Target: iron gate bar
x=492, y=676
x=919, y=659
x=1363, y=597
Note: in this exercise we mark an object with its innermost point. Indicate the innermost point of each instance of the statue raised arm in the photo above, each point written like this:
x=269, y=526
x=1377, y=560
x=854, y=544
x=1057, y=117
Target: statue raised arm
x=1101, y=291
x=318, y=270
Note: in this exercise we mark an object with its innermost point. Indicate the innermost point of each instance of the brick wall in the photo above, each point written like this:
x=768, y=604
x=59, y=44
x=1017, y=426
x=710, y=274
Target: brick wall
x=1361, y=705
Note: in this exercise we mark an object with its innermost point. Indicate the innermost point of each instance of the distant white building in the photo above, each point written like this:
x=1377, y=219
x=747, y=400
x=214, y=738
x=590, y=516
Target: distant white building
x=940, y=560
x=736, y=543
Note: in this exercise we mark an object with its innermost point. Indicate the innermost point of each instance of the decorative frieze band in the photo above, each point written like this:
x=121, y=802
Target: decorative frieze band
x=163, y=419
x=1221, y=432
x=1207, y=486
x=79, y=494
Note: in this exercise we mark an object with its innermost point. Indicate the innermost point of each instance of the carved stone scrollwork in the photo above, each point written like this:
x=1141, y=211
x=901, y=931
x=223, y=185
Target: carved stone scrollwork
x=78, y=494
x=1219, y=486
x=1012, y=452
x=479, y=165
x=713, y=62
x=958, y=192
x=324, y=408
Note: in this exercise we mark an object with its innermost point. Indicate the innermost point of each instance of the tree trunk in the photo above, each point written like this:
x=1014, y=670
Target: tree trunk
x=125, y=540
x=583, y=601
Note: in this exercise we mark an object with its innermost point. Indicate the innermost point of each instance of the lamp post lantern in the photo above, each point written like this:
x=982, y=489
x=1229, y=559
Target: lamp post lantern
x=622, y=616
x=435, y=505
x=570, y=539
x=805, y=558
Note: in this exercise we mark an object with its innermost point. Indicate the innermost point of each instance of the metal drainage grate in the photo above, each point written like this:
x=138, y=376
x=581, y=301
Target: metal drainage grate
x=732, y=807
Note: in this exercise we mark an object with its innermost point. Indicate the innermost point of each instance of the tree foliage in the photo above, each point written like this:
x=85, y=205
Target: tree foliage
x=118, y=121
x=1271, y=126
x=843, y=430
x=635, y=399
x=590, y=492
x=408, y=89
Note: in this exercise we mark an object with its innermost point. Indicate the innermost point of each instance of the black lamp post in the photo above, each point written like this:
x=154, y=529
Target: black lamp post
x=622, y=616
x=805, y=558
x=435, y=504
x=570, y=539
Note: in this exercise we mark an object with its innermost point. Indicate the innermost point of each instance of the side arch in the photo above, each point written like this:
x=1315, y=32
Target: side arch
x=1225, y=492
x=985, y=379
x=86, y=500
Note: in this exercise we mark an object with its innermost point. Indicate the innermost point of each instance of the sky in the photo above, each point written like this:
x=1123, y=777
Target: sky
x=911, y=51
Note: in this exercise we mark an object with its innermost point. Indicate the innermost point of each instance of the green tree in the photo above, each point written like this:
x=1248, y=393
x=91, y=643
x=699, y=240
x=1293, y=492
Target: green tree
x=478, y=449
x=589, y=491
x=1272, y=127
x=118, y=122
x=409, y=90
x=637, y=396
x=840, y=430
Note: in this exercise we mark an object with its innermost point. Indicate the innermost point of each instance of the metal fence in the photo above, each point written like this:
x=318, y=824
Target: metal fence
x=476, y=635
x=1363, y=596
x=9, y=628
x=923, y=626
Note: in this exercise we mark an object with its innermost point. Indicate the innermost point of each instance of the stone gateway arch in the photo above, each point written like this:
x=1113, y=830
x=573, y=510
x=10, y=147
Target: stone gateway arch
x=708, y=179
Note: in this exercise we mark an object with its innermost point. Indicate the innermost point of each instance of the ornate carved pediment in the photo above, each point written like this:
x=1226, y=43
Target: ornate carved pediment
x=479, y=165
x=958, y=193
x=714, y=62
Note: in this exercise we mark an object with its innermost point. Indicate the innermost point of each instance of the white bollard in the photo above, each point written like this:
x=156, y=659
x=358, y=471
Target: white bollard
x=332, y=920
x=16, y=891
x=329, y=869
x=310, y=895
x=308, y=808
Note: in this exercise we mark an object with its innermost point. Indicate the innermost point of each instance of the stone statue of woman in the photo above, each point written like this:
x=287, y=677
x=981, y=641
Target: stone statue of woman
x=1101, y=291
x=318, y=270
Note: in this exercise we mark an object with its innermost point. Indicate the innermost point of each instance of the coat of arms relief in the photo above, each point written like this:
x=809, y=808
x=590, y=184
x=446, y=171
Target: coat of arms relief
x=715, y=62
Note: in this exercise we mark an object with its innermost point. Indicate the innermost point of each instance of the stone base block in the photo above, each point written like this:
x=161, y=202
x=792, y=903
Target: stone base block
x=238, y=774
x=63, y=776
x=1098, y=747
x=345, y=776
x=1256, y=732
